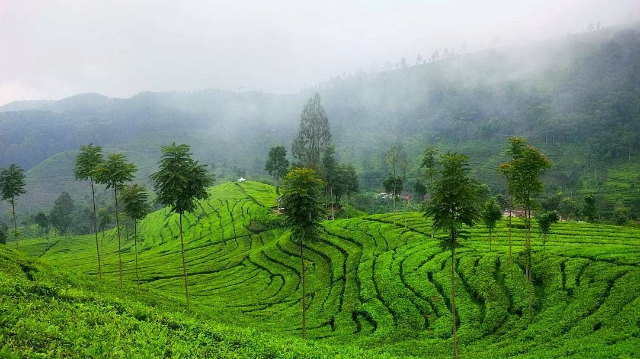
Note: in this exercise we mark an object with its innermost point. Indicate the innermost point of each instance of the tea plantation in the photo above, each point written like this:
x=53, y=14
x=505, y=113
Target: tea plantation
x=379, y=283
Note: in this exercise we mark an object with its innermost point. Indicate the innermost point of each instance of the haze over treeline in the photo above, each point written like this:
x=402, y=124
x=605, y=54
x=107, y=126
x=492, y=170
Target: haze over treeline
x=51, y=50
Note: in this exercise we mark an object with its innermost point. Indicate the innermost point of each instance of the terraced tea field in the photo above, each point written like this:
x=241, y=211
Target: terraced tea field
x=381, y=282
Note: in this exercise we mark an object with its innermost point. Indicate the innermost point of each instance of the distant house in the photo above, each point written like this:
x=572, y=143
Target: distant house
x=241, y=179
x=515, y=213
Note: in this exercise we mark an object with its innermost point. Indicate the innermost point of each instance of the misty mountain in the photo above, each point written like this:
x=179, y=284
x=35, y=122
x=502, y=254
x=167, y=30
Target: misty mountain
x=578, y=97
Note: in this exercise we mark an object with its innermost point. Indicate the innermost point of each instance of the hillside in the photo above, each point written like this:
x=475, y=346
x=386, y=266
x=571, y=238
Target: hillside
x=576, y=97
x=379, y=282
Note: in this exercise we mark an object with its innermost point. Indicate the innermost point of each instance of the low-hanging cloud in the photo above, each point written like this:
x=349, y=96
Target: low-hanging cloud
x=50, y=50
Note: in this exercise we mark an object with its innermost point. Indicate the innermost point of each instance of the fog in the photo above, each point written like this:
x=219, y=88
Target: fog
x=50, y=50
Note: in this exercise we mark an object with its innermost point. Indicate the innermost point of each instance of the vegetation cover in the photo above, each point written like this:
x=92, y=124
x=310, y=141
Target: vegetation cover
x=378, y=282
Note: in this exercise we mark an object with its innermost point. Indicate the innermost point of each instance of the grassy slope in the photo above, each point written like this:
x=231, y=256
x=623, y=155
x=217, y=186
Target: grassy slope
x=378, y=284
x=46, y=312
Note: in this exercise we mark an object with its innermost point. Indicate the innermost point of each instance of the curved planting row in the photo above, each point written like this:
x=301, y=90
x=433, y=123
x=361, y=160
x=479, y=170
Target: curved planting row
x=384, y=280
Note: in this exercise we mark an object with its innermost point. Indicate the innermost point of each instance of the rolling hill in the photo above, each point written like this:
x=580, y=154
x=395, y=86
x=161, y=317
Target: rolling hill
x=378, y=282
x=575, y=97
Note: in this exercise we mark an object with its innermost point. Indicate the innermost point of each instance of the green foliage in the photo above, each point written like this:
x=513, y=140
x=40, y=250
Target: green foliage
x=454, y=201
x=303, y=210
x=396, y=161
x=329, y=164
x=136, y=202
x=491, y=213
x=105, y=218
x=393, y=185
x=345, y=181
x=4, y=233
x=43, y=221
x=621, y=214
x=419, y=189
x=430, y=162
x=12, y=183
x=277, y=165
x=546, y=220
x=313, y=135
x=567, y=209
x=524, y=170
x=395, y=280
x=65, y=315
x=62, y=213
x=589, y=210
x=180, y=181
x=88, y=162
x=115, y=171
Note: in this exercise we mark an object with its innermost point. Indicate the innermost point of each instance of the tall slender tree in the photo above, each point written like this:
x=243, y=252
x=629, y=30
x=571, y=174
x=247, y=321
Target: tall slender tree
x=430, y=164
x=397, y=163
x=454, y=204
x=114, y=173
x=514, y=149
x=136, y=206
x=87, y=162
x=313, y=136
x=491, y=214
x=590, y=210
x=12, y=183
x=303, y=213
x=180, y=183
x=525, y=169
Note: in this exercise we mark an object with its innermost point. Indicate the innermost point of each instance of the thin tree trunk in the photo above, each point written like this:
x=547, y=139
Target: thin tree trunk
x=95, y=226
x=394, y=206
x=529, y=253
x=184, y=269
x=135, y=241
x=333, y=215
x=304, y=293
x=490, y=238
x=15, y=223
x=453, y=298
x=405, y=214
x=510, y=211
x=115, y=193
x=347, y=211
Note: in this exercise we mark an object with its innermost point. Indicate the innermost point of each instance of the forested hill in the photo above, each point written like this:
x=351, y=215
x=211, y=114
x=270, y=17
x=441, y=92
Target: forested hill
x=577, y=97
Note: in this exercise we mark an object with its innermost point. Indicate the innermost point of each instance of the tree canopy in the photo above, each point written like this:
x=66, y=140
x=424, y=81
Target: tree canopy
x=180, y=181
x=277, y=165
x=87, y=162
x=313, y=135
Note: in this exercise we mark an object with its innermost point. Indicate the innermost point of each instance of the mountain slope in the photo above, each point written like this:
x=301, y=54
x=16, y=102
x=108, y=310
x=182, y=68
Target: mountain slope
x=381, y=282
x=576, y=97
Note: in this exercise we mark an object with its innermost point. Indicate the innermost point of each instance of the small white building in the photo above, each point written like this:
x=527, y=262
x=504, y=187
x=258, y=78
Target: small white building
x=241, y=179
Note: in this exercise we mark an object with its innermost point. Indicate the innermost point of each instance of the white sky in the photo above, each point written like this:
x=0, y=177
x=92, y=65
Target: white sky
x=53, y=49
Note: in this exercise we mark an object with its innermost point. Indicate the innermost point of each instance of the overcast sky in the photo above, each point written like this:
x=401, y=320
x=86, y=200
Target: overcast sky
x=53, y=49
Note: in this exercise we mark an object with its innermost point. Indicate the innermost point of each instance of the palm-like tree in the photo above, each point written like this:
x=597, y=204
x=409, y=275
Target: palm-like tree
x=114, y=173
x=303, y=212
x=454, y=203
x=136, y=206
x=87, y=163
x=180, y=183
x=12, y=183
